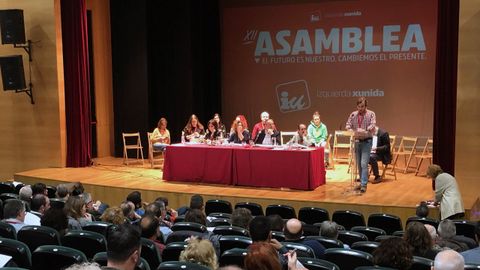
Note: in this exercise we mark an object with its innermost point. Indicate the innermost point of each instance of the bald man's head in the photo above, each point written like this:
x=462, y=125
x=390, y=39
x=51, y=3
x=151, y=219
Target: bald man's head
x=293, y=229
x=448, y=260
x=432, y=231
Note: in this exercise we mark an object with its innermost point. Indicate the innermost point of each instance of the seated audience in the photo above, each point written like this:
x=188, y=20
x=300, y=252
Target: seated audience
x=241, y=217
x=136, y=198
x=40, y=203
x=200, y=252
x=128, y=209
x=62, y=192
x=472, y=256
x=276, y=223
x=84, y=266
x=77, y=189
x=198, y=216
x=25, y=194
x=262, y=256
x=393, y=253
x=76, y=210
x=149, y=225
x=264, y=116
x=56, y=219
x=422, y=210
x=39, y=188
x=158, y=210
x=419, y=240
x=193, y=130
x=161, y=136
x=196, y=202
x=240, y=134
x=123, y=249
x=14, y=213
x=301, y=137
x=448, y=260
x=269, y=135
x=113, y=215
x=329, y=229
x=171, y=213
x=433, y=234
x=220, y=126
x=448, y=237
x=293, y=232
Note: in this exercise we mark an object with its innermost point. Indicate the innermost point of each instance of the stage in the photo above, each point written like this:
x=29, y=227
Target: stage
x=110, y=181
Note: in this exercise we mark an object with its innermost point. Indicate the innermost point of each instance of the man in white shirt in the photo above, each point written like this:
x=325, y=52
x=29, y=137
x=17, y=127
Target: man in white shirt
x=40, y=203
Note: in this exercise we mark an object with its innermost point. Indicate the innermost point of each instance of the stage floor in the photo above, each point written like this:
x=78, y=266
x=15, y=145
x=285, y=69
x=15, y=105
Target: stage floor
x=110, y=181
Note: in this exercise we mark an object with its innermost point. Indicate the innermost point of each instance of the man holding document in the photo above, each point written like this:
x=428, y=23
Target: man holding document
x=362, y=123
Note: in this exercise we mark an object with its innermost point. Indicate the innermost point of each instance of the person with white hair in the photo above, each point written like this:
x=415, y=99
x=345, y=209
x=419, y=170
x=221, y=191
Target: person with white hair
x=264, y=116
x=448, y=260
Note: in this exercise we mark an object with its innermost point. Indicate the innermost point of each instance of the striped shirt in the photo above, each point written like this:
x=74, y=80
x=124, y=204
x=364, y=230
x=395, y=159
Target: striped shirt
x=366, y=122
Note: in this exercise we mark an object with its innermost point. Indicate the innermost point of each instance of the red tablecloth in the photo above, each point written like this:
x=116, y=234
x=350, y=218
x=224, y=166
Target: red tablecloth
x=258, y=167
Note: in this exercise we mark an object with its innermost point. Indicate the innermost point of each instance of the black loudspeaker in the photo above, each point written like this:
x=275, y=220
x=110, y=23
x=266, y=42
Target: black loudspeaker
x=12, y=72
x=12, y=26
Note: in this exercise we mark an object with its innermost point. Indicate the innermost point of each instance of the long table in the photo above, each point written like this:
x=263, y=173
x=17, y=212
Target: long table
x=245, y=166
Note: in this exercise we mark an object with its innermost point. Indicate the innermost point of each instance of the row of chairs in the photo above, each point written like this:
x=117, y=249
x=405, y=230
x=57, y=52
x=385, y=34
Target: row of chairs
x=132, y=141
x=8, y=187
x=347, y=218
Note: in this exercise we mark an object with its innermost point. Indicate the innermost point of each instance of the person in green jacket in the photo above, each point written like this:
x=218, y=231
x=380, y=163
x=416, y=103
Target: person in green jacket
x=317, y=131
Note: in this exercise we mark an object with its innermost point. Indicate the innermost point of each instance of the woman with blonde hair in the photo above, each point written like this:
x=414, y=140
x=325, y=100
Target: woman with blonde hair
x=200, y=252
x=113, y=215
x=447, y=193
x=160, y=136
x=75, y=209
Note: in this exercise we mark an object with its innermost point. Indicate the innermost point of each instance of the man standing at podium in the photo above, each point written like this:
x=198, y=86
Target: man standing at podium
x=362, y=123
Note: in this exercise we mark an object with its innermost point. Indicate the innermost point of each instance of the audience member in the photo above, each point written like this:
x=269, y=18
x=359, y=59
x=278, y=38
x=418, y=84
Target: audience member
x=149, y=225
x=264, y=116
x=171, y=213
x=422, y=210
x=472, y=256
x=419, y=240
x=56, y=219
x=276, y=223
x=158, y=210
x=262, y=256
x=448, y=238
x=39, y=188
x=62, y=192
x=14, y=213
x=293, y=231
x=128, y=209
x=329, y=229
x=446, y=193
x=75, y=210
x=77, y=189
x=136, y=198
x=85, y=266
x=113, y=215
x=433, y=234
x=123, y=248
x=241, y=217
x=200, y=252
x=393, y=253
x=25, y=194
x=40, y=203
x=448, y=260
x=198, y=216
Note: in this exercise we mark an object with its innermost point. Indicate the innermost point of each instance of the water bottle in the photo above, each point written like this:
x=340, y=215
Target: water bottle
x=183, y=137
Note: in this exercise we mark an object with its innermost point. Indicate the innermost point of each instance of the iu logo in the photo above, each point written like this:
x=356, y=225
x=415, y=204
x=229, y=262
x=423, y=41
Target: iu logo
x=293, y=96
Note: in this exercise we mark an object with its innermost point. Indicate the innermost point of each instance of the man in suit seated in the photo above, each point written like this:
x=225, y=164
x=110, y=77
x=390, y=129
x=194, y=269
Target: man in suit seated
x=270, y=135
x=380, y=151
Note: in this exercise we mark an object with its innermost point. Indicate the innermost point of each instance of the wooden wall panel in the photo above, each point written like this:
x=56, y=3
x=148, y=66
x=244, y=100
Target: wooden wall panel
x=31, y=135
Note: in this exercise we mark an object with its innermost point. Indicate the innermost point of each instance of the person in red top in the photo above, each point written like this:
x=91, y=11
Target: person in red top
x=264, y=116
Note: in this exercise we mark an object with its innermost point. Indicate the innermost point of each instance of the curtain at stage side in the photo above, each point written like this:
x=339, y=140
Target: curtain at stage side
x=77, y=96
x=444, y=123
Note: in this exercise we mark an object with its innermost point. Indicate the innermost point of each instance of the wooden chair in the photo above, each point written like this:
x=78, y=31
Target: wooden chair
x=288, y=134
x=342, y=141
x=328, y=149
x=426, y=154
x=153, y=154
x=137, y=145
x=407, y=149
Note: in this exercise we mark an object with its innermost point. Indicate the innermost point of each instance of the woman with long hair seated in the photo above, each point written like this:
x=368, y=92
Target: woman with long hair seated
x=220, y=126
x=193, y=129
x=240, y=118
x=212, y=130
x=420, y=241
x=240, y=135
x=76, y=211
x=161, y=136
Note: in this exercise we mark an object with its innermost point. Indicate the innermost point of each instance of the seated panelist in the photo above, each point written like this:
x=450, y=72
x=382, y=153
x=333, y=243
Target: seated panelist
x=212, y=131
x=193, y=129
x=269, y=135
x=239, y=135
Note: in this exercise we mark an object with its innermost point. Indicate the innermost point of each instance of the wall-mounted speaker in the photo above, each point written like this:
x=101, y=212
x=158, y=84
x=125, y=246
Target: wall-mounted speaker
x=12, y=72
x=12, y=26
